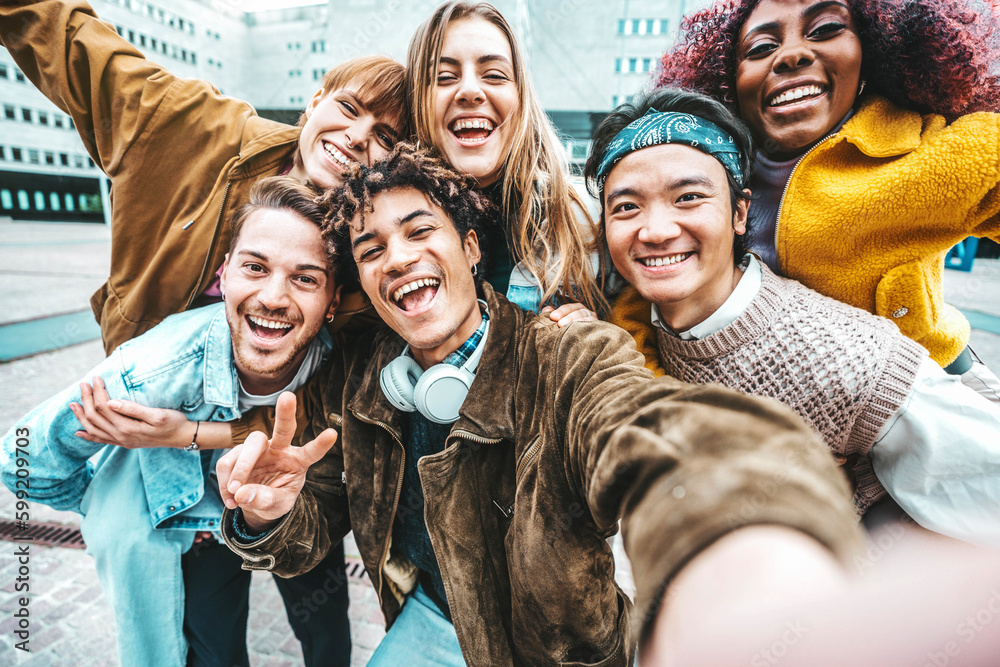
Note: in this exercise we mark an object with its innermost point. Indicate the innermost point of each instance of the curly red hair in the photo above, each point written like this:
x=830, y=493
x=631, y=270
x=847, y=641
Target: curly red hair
x=931, y=56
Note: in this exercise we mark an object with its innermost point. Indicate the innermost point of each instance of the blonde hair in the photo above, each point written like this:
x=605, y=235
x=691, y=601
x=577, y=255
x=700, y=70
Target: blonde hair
x=380, y=86
x=544, y=229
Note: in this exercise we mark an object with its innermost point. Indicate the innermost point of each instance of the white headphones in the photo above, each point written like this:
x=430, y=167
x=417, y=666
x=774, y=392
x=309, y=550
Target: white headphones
x=436, y=393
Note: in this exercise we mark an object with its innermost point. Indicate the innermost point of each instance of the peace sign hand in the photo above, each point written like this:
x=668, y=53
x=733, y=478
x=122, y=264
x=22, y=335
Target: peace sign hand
x=263, y=477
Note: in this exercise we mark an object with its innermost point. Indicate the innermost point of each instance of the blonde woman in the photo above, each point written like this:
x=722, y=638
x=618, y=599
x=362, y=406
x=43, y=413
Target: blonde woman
x=474, y=102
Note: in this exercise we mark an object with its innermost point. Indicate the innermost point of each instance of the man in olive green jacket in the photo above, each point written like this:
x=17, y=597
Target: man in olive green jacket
x=562, y=433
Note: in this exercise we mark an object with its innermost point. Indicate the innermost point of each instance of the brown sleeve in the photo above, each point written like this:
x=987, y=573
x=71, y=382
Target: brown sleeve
x=319, y=518
x=684, y=465
x=633, y=314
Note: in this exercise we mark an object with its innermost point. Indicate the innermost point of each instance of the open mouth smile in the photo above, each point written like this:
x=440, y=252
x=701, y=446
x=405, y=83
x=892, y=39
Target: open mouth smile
x=668, y=260
x=336, y=155
x=472, y=131
x=416, y=295
x=800, y=94
x=268, y=330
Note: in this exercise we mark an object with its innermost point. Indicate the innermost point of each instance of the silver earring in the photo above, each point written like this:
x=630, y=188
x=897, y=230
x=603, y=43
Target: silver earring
x=475, y=269
x=222, y=295
x=329, y=318
x=861, y=88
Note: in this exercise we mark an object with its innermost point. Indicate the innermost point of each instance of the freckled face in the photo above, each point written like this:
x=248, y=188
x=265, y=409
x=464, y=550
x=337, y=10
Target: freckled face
x=339, y=131
x=798, y=71
x=474, y=97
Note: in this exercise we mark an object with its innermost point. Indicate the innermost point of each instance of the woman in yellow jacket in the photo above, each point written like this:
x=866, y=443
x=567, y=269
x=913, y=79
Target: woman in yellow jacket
x=879, y=150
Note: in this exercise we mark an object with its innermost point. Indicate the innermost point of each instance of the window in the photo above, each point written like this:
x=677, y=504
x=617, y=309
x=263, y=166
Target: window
x=54, y=201
x=3, y=153
x=131, y=36
x=621, y=26
x=50, y=158
x=57, y=120
x=142, y=40
x=90, y=163
x=39, y=201
x=6, y=200
x=8, y=112
x=43, y=118
x=70, y=121
x=19, y=76
x=3, y=71
x=23, y=202
x=663, y=26
x=78, y=161
x=649, y=26
x=618, y=65
x=647, y=64
x=635, y=26
x=633, y=64
x=33, y=156
x=194, y=61
x=120, y=30
x=64, y=159
x=153, y=43
x=69, y=202
x=26, y=115
x=15, y=154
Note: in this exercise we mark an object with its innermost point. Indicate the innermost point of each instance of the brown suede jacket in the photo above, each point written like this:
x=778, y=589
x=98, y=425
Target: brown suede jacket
x=562, y=433
x=181, y=157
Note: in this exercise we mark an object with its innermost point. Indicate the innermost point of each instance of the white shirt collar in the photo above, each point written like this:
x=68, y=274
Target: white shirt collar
x=741, y=298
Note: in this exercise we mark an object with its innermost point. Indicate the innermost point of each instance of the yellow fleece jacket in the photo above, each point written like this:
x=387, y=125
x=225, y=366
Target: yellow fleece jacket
x=869, y=214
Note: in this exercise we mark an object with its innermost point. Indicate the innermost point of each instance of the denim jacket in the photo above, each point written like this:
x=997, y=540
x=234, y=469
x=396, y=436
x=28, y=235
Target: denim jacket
x=184, y=363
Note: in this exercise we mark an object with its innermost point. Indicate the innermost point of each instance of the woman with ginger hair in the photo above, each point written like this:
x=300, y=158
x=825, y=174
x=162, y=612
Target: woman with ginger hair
x=879, y=149
x=474, y=102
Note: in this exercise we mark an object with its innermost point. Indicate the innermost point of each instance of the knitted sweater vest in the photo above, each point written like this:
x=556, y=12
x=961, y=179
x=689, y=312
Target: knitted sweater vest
x=844, y=370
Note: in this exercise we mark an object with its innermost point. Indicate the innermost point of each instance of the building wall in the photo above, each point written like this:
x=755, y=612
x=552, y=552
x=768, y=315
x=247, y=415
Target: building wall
x=585, y=56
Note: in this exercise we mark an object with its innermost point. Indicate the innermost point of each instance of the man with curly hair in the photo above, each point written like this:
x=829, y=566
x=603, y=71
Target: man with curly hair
x=485, y=455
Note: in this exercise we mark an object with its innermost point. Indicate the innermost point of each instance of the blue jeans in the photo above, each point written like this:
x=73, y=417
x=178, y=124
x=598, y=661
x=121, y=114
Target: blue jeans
x=420, y=637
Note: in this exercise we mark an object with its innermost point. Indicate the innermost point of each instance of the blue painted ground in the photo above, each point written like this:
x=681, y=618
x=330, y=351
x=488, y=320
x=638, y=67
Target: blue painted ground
x=982, y=321
x=25, y=339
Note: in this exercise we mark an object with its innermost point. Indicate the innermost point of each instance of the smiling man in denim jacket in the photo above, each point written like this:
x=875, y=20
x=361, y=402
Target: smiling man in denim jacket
x=143, y=509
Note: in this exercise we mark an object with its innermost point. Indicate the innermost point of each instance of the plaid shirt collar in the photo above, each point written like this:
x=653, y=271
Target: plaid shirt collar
x=462, y=354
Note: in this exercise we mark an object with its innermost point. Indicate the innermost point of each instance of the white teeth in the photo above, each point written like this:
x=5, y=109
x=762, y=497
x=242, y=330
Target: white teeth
x=664, y=261
x=416, y=284
x=795, y=94
x=332, y=151
x=472, y=124
x=270, y=324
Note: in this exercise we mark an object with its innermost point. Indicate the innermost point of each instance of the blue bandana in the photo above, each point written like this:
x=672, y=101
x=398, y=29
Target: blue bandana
x=669, y=127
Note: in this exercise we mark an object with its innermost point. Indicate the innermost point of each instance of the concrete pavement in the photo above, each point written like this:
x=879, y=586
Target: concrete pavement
x=52, y=269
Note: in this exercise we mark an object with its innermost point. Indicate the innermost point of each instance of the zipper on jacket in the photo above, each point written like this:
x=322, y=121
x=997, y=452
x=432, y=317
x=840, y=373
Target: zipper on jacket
x=395, y=503
x=211, y=249
x=527, y=458
x=781, y=202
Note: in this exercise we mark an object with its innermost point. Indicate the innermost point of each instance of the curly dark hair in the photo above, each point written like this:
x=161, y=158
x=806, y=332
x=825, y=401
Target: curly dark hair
x=680, y=101
x=930, y=56
x=405, y=167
